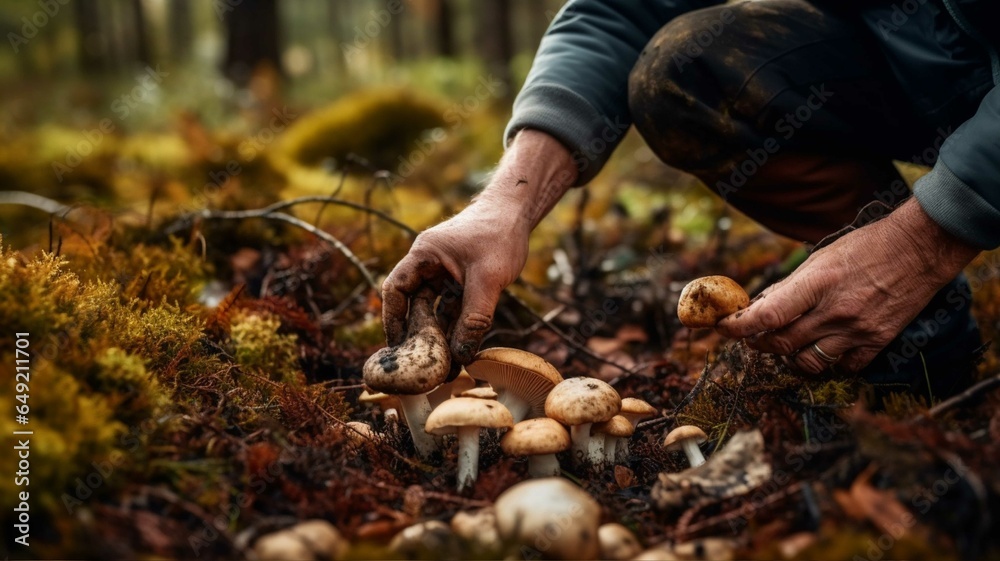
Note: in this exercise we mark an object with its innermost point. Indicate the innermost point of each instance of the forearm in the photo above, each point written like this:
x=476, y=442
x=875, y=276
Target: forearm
x=533, y=175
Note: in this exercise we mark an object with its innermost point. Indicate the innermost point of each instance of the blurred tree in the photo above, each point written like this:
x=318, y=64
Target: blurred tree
x=179, y=25
x=445, y=28
x=496, y=46
x=93, y=46
x=139, y=37
x=251, y=38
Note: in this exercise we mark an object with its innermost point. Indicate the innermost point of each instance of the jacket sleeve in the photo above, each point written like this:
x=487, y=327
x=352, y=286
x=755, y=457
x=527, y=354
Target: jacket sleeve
x=962, y=192
x=577, y=88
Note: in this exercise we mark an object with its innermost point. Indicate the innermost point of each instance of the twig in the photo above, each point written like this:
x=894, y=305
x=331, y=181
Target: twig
x=950, y=403
x=32, y=200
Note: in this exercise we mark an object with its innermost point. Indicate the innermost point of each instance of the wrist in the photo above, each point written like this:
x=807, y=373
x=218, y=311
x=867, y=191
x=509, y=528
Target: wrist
x=940, y=254
x=533, y=175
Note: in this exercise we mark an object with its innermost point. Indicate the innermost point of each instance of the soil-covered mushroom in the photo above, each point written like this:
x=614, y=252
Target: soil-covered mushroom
x=605, y=438
x=414, y=368
x=617, y=542
x=706, y=300
x=687, y=438
x=549, y=517
x=522, y=379
x=540, y=440
x=465, y=416
x=578, y=403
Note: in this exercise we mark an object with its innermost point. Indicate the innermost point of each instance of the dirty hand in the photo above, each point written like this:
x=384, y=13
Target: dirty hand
x=482, y=249
x=854, y=296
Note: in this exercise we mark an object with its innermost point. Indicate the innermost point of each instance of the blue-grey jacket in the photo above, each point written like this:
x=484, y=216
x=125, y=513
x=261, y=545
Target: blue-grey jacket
x=577, y=89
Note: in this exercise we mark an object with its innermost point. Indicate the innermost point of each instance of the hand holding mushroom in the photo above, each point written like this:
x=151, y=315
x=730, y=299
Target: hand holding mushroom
x=707, y=300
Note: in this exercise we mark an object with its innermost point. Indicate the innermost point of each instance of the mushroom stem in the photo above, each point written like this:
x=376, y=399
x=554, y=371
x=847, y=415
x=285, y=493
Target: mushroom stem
x=580, y=434
x=416, y=408
x=543, y=465
x=595, y=450
x=693, y=452
x=468, y=456
x=611, y=445
x=518, y=408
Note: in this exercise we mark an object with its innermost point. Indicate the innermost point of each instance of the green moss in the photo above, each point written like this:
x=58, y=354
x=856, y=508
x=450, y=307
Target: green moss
x=258, y=347
x=378, y=125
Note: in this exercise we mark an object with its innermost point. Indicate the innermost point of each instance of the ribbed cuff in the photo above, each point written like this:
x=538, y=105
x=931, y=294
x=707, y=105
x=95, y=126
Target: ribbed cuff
x=958, y=208
x=573, y=121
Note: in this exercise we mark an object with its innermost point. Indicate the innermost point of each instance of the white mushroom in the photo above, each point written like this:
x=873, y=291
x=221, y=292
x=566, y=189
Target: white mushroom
x=687, y=438
x=540, y=440
x=412, y=369
x=282, y=545
x=617, y=542
x=634, y=410
x=608, y=436
x=321, y=537
x=522, y=379
x=465, y=416
x=578, y=403
x=550, y=517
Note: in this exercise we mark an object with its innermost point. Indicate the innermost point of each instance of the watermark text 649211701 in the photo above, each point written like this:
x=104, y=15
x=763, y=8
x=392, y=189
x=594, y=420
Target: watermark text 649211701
x=22, y=438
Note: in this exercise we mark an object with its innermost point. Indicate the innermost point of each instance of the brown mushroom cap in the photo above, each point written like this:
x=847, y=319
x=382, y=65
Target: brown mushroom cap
x=420, y=364
x=617, y=426
x=637, y=408
x=386, y=401
x=468, y=412
x=579, y=401
x=522, y=373
x=359, y=432
x=480, y=393
x=678, y=435
x=536, y=436
x=706, y=300
x=617, y=542
x=446, y=391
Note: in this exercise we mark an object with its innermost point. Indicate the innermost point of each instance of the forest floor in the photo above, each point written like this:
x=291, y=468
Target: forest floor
x=194, y=370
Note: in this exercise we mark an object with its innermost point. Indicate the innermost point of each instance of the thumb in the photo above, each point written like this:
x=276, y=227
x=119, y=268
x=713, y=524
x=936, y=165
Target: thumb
x=479, y=302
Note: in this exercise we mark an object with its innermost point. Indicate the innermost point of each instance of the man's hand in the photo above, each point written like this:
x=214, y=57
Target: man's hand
x=484, y=247
x=854, y=296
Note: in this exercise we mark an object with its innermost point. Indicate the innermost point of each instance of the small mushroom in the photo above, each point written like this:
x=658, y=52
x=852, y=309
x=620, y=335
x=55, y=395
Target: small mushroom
x=322, y=538
x=617, y=542
x=550, y=518
x=426, y=540
x=465, y=416
x=360, y=433
x=522, y=379
x=461, y=383
x=479, y=530
x=282, y=545
x=707, y=300
x=578, y=403
x=389, y=403
x=414, y=368
x=480, y=393
x=608, y=436
x=687, y=438
x=634, y=410
x=540, y=440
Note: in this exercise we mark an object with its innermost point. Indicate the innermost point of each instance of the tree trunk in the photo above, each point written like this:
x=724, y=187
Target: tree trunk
x=92, y=47
x=179, y=25
x=251, y=39
x=140, y=39
x=445, y=28
x=495, y=43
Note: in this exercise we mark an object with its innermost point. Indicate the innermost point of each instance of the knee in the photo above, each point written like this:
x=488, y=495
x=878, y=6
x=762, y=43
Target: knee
x=676, y=97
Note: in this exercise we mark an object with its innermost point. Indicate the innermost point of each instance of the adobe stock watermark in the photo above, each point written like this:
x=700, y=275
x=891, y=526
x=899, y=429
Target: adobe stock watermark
x=900, y=15
x=146, y=84
x=696, y=45
x=378, y=21
x=784, y=129
x=31, y=25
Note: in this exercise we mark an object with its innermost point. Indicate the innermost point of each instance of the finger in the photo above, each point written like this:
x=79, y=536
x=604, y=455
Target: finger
x=800, y=332
x=777, y=309
x=404, y=280
x=479, y=302
x=810, y=361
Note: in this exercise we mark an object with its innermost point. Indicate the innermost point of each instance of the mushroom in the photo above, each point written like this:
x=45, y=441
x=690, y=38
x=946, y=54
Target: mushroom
x=321, y=537
x=706, y=300
x=617, y=542
x=608, y=436
x=414, y=368
x=388, y=403
x=521, y=378
x=540, y=440
x=465, y=416
x=552, y=517
x=687, y=438
x=578, y=403
x=360, y=433
x=479, y=530
x=282, y=545
x=461, y=383
x=480, y=393
x=426, y=540
x=634, y=410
